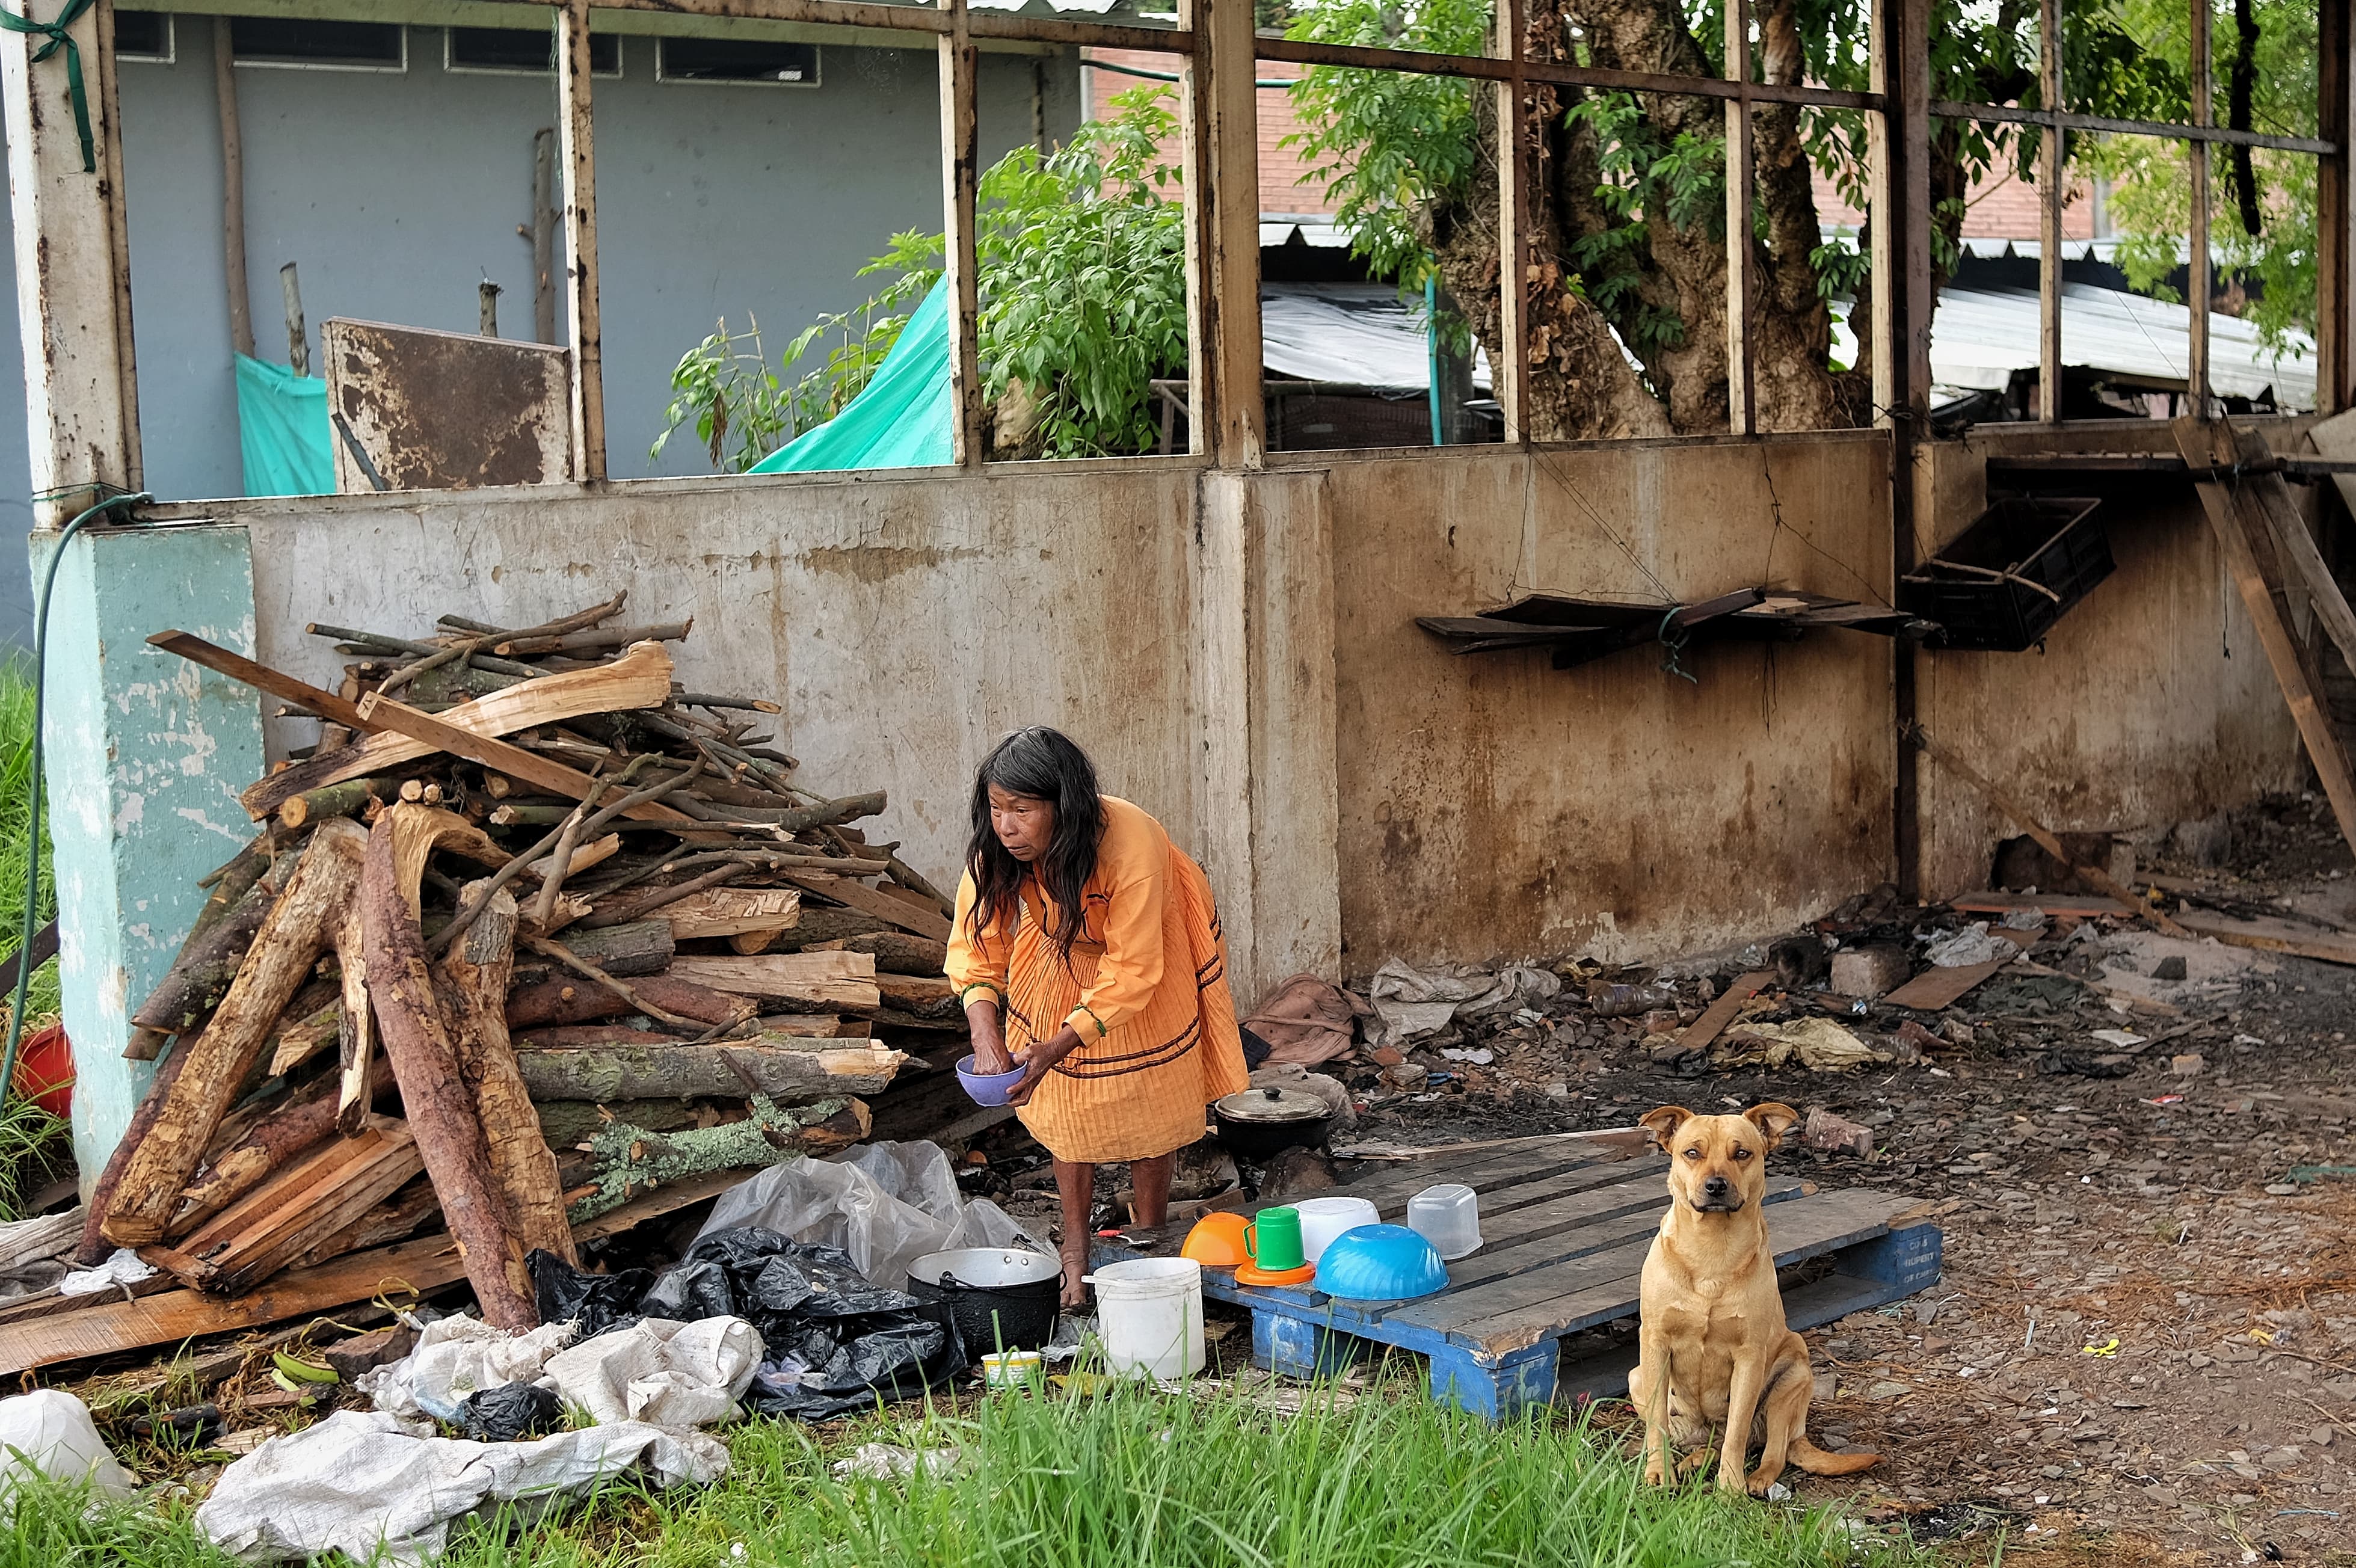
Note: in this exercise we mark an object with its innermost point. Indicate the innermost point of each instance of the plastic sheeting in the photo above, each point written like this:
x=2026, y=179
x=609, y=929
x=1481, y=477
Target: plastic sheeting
x=283, y=432
x=1411, y=1003
x=900, y=421
x=1356, y=334
x=457, y=1358
x=364, y=1483
x=886, y=1205
x=49, y=1431
x=833, y=1341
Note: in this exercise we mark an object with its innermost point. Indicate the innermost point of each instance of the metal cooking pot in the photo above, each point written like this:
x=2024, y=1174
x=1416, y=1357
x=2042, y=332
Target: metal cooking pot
x=997, y=1298
x=1259, y=1122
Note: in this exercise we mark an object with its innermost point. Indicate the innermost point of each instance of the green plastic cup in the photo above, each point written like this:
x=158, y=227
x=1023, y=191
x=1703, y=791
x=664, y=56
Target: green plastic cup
x=1273, y=1240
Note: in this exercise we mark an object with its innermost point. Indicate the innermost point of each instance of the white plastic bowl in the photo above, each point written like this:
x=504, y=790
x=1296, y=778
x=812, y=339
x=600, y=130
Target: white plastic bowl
x=1322, y=1219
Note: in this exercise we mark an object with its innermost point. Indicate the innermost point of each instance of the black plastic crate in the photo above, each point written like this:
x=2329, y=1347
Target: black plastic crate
x=2010, y=576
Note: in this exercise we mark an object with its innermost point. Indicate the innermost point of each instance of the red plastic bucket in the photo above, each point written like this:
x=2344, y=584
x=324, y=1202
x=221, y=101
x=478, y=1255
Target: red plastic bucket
x=45, y=1069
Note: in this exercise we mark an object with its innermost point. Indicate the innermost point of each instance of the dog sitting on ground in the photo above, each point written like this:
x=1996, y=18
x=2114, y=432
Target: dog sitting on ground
x=1715, y=1348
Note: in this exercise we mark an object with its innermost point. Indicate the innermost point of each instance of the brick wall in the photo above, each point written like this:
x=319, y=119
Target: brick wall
x=1284, y=182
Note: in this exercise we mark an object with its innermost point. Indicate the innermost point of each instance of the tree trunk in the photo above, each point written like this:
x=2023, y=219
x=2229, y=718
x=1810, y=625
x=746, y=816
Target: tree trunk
x=642, y=947
x=207, y=965
x=273, y=1143
x=290, y=940
x=580, y=1001
x=732, y=1070
x=475, y=975
x=417, y=1042
x=94, y=1248
x=631, y=1161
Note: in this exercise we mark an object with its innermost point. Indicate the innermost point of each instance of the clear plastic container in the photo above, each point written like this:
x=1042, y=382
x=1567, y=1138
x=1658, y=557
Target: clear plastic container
x=1448, y=1217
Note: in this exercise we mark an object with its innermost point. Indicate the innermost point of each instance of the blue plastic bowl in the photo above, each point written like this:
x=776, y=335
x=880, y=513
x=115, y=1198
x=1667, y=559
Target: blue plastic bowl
x=1380, y=1262
x=986, y=1088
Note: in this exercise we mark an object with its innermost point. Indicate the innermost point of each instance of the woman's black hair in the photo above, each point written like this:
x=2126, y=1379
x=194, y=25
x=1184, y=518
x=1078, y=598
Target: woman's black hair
x=1045, y=765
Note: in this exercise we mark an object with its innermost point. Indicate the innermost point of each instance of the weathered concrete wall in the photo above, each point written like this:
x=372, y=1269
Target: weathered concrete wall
x=905, y=623
x=1492, y=806
x=2150, y=702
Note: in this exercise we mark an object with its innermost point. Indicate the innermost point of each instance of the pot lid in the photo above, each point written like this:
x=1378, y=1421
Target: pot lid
x=1273, y=1105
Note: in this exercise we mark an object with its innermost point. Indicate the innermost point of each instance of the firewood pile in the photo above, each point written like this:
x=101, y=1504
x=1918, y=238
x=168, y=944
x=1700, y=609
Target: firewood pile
x=532, y=940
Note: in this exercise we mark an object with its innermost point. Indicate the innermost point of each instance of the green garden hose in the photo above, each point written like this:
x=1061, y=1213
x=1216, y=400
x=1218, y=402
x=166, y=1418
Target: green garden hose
x=33, y=850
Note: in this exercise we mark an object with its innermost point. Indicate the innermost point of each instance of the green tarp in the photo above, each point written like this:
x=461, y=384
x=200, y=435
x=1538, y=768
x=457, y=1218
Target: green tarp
x=900, y=421
x=282, y=431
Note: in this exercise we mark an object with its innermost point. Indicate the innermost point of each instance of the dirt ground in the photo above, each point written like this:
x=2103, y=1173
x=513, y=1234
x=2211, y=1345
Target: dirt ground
x=2143, y=1349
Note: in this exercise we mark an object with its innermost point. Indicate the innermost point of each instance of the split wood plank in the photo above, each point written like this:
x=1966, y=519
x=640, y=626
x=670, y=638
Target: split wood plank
x=172, y=1315
x=529, y=767
x=324, y=1192
x=866, y=900
x=639, y=679
x=797, y=983
x=2094, y=876
x=1936, y=988
x=298, y=928
x=2294, y=544
x=2061, y=906
x=2208, y=446
x=734, y=911
x=789, y=1075
x=261, y=677
x=1721, y=1012
x=2274, y=936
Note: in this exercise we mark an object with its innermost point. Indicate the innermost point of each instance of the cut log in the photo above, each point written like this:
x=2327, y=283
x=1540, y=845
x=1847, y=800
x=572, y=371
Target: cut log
x=322, y=1192
x=397, y=1219
x=332, y=800
x=642, y=947
x=733, y=1070
x=94, y=1248
x=818, y=926
x=595, y=1036
x=579, y=1001
x=424, y=1061
x=752, y=974
x=207, y=965
x=734, y=911
x=815, y=1026
x=355, y=1022
x=639, y=679
x=891, y=911
x=271, y=1144
x=317, y=1023
x=894, y=951
x=595, y=642
x=474, y=973
x=630, y=1161
x=920, y=995
x=283, y=950
x=173, y=1315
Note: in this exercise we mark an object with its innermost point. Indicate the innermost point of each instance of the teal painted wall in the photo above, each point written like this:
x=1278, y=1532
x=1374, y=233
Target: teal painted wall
x=145, y=756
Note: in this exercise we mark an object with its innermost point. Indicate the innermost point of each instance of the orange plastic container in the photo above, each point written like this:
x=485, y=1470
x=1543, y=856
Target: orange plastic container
x=1217, y=1241
x=45, y=1069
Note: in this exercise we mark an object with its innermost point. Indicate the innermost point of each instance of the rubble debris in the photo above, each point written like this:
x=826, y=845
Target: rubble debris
x=1835, y=1135
x=1870, y=971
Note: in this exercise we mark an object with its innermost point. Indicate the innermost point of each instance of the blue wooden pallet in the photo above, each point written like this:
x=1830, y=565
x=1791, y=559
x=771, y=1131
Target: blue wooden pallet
x=1565, y=1231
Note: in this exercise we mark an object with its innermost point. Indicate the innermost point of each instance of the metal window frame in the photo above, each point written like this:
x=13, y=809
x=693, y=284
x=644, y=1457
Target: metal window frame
x=400, y=29
x=171, y=55
x=451, y=67
x=817, y=78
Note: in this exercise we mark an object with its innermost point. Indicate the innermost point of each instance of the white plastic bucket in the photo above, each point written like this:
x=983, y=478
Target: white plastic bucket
x=1322, y=1219
x=1149, y=1317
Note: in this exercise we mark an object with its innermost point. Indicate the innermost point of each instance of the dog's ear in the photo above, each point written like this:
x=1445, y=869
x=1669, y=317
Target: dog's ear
x=1772, y=1119
x=1663, y=1124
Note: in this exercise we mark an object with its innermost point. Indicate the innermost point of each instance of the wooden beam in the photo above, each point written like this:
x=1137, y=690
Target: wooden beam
x=2049, y=213
x=73, y=280
x=1900, y=150
x=2335, y=214
x=512, y=760
x=2197, y=286
x=1509, y=40
x=578, y=163
x=2295, y=547
x=1229, y=127
x=961, y=170
x=261, y=677
x=1741, y=410
x=2208, y=445
x=233, y=144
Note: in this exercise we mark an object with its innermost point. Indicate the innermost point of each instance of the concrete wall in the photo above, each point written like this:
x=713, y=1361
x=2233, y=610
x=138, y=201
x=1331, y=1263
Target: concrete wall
x=1492, y=806
x=2150, y=700
x=397, y=194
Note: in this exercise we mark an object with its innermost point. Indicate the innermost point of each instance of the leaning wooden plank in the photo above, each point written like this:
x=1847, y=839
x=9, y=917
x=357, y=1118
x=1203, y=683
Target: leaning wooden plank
x=734, y=911
x=2094, y=876
x=324, y=1193
x=2270, y=934
x=2208, y=446
x=529, y=766
x=2294, y=546
x=866, y=900
x=415, y=1029
x=639, y=679
x=2061, y=906
x=1936, y=988
x=291, y=939
x=237, y=667
x=172, y=1315
x=786, y=1074
x=1720, y=1013
x=475, y=975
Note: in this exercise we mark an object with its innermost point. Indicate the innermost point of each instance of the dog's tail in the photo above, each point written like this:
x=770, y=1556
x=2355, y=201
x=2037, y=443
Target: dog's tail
x=1816, y=1462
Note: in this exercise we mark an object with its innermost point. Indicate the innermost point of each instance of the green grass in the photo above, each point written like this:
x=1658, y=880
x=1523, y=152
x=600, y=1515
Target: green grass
x=30, y=1138
x=1124, y=1480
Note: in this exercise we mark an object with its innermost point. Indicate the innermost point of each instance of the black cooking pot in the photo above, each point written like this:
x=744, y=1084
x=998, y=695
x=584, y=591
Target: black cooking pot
x=997, y=1297
x=1260, y=1122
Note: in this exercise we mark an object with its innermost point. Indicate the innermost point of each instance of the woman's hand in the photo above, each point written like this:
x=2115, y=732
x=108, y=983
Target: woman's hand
x=989, y=1052
x=1040, y=1060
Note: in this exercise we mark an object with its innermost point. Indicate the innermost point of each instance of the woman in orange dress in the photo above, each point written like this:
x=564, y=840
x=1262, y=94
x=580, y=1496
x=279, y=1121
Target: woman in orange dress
x=1087, y=950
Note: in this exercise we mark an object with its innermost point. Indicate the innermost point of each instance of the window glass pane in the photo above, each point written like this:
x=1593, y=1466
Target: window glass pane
x=525, y=50
x=142, y=36
x=766, y=60
x=364, y=46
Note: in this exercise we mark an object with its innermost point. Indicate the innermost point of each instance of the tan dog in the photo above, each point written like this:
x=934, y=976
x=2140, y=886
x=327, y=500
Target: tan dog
x=1714, y=1348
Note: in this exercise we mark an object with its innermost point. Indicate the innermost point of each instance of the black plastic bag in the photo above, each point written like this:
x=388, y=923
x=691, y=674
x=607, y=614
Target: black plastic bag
x=511, y=1411
x=837, y=1342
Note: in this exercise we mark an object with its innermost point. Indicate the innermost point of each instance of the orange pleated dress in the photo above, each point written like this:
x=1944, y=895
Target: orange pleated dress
x=1146, y=991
